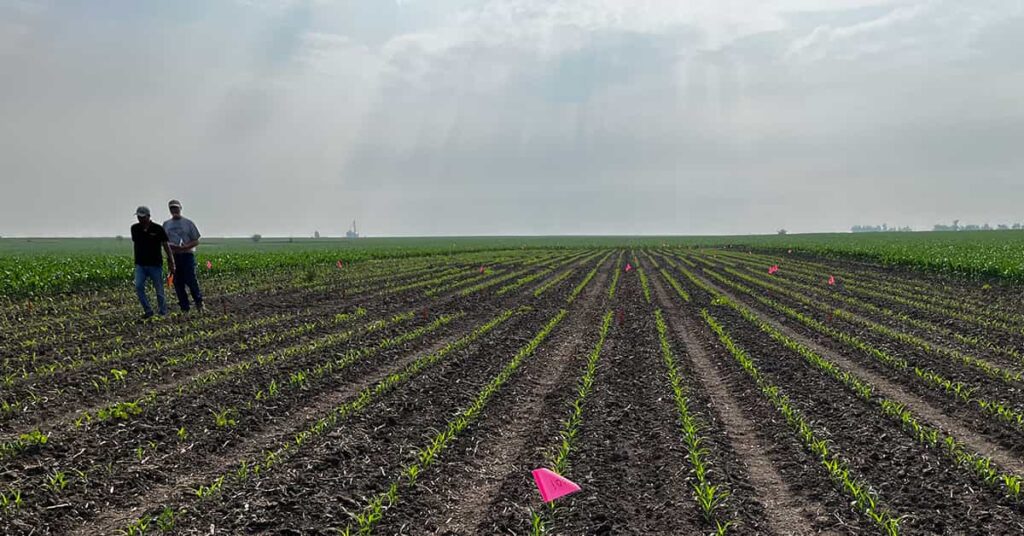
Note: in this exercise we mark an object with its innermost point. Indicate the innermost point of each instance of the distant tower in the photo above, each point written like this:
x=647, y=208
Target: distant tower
x=351, y=233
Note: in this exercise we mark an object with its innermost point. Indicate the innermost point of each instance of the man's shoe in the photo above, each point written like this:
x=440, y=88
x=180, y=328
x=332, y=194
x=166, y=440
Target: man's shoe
x=146, y=317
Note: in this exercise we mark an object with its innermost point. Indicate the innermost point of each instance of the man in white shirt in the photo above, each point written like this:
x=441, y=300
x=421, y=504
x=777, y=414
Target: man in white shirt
x=183, y=237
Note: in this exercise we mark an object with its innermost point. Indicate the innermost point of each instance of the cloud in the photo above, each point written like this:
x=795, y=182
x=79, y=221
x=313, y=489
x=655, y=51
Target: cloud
x=512, y=116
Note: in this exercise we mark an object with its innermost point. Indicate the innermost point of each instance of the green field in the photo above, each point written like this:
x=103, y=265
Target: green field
x=39, y=266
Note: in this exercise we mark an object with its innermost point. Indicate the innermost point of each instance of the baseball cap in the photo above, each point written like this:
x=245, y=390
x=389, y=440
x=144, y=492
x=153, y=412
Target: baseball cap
x=142, y=211
x=173, y=203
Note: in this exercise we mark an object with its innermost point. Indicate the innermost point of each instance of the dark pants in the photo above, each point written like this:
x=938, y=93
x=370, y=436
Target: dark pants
x=156, y=275
x=185, y=276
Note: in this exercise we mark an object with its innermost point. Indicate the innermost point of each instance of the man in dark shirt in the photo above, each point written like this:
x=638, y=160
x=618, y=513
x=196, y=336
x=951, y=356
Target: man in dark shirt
x=149, y=238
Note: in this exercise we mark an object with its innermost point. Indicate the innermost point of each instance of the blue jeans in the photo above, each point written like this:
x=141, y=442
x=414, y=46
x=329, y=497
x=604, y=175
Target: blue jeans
x=185, y=276
x=156, y=275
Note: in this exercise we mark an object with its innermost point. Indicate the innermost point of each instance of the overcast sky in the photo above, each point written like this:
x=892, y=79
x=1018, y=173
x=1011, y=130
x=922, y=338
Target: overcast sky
x=459, y=117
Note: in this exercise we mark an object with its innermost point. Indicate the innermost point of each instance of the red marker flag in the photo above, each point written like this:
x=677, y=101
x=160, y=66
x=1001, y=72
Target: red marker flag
x=831, y=280
x=629, y=267
x=209, y=265
x=552, y=485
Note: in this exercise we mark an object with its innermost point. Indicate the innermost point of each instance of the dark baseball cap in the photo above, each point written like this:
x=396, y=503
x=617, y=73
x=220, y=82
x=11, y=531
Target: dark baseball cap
x=142, y=211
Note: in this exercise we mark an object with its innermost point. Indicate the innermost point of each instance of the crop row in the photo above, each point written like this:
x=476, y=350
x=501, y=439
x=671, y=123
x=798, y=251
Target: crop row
x=926, y=435
x=126, y=409
x=272, y=457
x=1007, y=376
x=864, y=499
x=228, y=416
x=920, y=300
x=78, y=317
x=923, y=289
x=379, y=389
x=957, y=391
x=36, y=275
x=427, y=454
x=188, y=339
x=118, y=376
x=616, y=273
x=549, y=268
x=709, y=496
x=586, y=280
x=907, y=319
x=559, y=457
x=107, y=331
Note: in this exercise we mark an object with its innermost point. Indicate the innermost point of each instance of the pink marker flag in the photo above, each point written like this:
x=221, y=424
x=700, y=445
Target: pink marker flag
x=481, y=269
x=629, y=267
x=209, y=265
x=831, y=280
x=551, y=485
x=339, y=264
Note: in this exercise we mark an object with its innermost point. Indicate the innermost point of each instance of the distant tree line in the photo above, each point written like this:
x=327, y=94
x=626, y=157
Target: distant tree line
x=884, y=228
x=975, y=227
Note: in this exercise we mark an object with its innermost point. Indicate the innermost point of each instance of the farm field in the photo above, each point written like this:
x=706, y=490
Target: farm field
x=687, y=390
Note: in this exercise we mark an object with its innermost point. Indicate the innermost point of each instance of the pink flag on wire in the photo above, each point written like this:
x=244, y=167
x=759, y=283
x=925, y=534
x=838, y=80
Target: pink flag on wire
x=552, y=485
x=773, y=268
x=629, y=267
x=209, y=265
x=339, y=264
x=831, y=280
x=481, y=268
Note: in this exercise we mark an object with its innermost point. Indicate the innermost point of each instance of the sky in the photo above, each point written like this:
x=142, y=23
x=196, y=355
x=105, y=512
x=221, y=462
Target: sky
x=510, y=117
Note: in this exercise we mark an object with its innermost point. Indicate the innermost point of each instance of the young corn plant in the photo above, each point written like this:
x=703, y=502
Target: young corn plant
x=11, y=500
x=616, y=274
x=57, y=481
x=644, y=284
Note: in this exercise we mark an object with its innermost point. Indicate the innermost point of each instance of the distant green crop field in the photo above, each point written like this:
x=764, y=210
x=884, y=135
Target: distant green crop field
x=39, y=266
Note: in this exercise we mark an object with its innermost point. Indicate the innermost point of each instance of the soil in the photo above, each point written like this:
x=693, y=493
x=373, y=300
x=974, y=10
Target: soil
x=628, y=457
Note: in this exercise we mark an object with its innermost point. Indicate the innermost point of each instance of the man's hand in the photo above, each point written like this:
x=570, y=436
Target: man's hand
x=170, y=265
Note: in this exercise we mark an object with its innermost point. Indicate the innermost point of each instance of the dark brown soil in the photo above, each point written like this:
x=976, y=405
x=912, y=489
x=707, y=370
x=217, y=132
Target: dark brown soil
x=629, y=456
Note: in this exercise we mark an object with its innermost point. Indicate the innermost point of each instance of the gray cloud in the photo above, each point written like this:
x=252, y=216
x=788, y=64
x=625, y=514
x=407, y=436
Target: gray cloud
x=459, y=117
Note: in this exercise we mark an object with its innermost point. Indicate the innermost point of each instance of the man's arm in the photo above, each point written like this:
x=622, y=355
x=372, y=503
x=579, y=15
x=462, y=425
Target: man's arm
x=170, y=257
x=194, y=235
